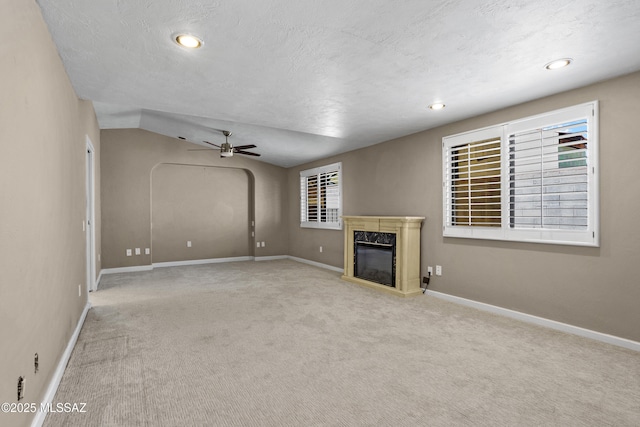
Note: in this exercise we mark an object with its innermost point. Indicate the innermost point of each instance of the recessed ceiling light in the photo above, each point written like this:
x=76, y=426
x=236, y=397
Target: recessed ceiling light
x=436, y=106
x=189, y=41
x=558, y=63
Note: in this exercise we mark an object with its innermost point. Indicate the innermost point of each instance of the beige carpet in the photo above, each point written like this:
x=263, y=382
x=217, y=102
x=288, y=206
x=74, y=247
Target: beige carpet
x=280, y=343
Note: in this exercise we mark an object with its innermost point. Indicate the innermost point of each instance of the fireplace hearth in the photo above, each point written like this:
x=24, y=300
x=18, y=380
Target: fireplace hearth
x=383, y=253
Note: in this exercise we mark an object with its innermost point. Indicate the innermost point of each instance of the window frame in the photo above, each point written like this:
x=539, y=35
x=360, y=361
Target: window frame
x=590, y=236
x=304, y=197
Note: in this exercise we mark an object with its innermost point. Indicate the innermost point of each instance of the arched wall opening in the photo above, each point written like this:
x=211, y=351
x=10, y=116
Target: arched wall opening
x=211, y=207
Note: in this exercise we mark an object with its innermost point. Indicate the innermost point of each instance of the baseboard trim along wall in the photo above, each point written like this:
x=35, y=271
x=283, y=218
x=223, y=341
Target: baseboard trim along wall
x=302, y=260
x=317, y=264
x=131, y=269
x=540, y=321
x=137, y=268
x=201, y=261
x=528, y=318
x=38, y=420
x=271, y=258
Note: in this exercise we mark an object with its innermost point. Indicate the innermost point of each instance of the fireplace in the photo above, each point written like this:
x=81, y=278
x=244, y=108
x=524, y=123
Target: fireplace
x=375, y=257
x=383, y=253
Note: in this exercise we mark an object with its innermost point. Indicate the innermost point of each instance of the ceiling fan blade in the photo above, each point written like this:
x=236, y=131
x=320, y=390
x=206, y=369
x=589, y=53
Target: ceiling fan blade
x=210, y=143
x=244, y=147
x=247, y=153
x=200, y=149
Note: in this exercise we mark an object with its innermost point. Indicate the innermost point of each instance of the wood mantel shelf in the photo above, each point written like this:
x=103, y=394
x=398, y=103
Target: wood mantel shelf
x=407, y=231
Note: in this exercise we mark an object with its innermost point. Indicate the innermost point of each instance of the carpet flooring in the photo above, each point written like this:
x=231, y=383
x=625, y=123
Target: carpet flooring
x=280, y=343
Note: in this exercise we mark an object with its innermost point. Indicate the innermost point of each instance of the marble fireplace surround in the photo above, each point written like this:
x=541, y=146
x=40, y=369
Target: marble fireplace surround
x=407, y=231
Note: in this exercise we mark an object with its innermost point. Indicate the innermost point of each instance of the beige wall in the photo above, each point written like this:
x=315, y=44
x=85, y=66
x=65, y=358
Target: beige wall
x=205, y=205
x=594, y=288
x=43, y=127
x=130, y=160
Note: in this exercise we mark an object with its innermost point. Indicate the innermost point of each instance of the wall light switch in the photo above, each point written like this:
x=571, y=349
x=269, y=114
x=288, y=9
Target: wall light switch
x=128, y=252
x=262, y=244
x=147, y=251
x=257, y=244
x=438, y=270
x=137, y=251
x=188, y=243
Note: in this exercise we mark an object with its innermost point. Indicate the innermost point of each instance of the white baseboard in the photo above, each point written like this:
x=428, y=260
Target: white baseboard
x=212, y=261
x=270, y=258
x=200, y=261
x=50, y=394
x=317, y=264
x=540, y=321
x=131, y=269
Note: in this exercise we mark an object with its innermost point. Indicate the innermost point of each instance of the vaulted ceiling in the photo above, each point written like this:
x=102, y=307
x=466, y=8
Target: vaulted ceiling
x=306, y=79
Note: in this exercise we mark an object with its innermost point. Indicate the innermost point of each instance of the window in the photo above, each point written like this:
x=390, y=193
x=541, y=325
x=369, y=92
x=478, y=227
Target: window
x=321, y=197
x=531, y=180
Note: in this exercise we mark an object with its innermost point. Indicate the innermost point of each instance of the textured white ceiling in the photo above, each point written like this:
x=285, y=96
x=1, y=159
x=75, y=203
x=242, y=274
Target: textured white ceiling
x=305, y=79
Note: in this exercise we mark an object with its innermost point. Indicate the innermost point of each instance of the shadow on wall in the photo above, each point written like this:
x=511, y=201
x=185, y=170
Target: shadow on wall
x=201, y=212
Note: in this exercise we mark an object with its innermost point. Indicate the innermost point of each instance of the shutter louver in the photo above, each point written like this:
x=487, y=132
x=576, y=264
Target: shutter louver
x=312, y=198
x=475, y=176
x=549, y=177
x=330, y=196
x=303, y=199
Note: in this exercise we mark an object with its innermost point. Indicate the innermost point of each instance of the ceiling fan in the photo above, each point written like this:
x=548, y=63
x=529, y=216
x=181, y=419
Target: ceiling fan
x=228, y=150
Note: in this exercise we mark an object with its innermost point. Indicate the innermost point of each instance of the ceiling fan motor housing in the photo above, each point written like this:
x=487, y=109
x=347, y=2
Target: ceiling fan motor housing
x=226, y=150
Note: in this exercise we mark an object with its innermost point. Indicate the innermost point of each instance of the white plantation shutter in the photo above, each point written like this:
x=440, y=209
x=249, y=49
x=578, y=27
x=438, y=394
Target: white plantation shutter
x=321, y=197
x=532, y=180
x=472, y=179
x=549, y=177
x=475, y=183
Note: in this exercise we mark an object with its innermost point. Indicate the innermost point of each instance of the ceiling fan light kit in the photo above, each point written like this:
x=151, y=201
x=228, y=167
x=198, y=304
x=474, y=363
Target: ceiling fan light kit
x=226, y=150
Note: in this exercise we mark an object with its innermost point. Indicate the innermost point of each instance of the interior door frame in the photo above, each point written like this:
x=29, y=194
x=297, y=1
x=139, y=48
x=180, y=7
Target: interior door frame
x=90, y=229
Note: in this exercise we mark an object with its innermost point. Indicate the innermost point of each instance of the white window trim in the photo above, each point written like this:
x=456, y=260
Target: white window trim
x=318, y=171
x=588, y=237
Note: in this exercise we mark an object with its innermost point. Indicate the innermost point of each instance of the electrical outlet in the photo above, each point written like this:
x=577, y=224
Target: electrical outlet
x=257, y=244
x=262, y=244
x=430, y=271
x=137, y=251
x=438, y=270
x=147, y=251
x=320, y=248
x=188, y=243
x=80, y=290
x=128, y=252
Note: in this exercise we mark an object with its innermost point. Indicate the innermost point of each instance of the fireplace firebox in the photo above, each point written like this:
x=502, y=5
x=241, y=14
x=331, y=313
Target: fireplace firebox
x=375, y=257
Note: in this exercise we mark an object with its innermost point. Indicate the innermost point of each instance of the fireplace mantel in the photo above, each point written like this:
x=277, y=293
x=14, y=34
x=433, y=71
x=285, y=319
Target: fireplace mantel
x=407, y=231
